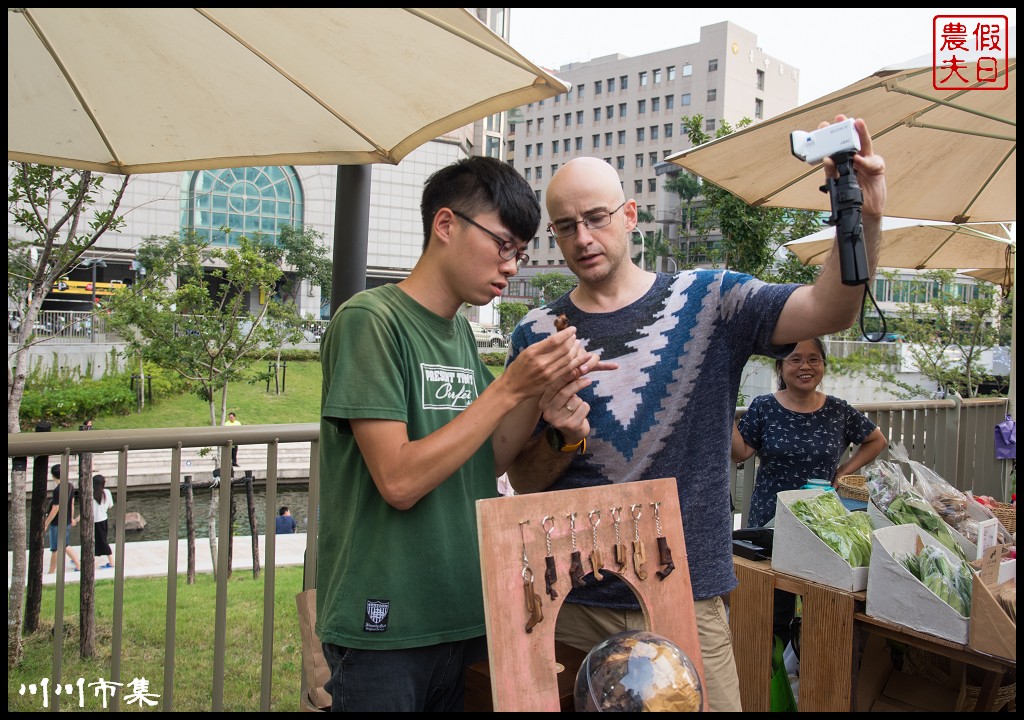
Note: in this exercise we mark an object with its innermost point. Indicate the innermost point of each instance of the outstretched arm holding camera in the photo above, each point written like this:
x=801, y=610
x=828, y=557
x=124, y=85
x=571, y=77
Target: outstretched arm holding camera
x=828, y=305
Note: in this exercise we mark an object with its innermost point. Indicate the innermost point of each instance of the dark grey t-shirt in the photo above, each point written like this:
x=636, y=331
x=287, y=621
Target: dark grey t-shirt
x=669, y=408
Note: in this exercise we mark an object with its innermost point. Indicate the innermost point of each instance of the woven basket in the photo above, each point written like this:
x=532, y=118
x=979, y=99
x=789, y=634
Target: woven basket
x=852, y=487
x=917, y=661
x=1007, y=515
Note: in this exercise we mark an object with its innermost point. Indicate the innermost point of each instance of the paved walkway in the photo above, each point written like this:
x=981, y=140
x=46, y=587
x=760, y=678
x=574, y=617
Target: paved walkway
x=149, y=559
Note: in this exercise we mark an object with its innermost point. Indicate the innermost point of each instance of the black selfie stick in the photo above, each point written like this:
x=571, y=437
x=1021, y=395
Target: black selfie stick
x=847, y=199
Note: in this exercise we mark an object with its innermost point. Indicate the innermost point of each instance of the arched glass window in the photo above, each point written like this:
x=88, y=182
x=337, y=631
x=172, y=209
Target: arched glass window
x=248, y=201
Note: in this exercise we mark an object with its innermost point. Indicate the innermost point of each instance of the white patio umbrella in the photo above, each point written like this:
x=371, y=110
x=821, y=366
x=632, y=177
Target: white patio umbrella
x=141, y=90
x=950, y=156
x=146, y=90
x=921, y=245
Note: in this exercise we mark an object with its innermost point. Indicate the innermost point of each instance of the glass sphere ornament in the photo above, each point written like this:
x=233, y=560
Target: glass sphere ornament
x=637, y=671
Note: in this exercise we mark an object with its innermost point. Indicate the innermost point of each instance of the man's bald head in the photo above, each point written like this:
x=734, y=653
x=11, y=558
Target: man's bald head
x=587, y=180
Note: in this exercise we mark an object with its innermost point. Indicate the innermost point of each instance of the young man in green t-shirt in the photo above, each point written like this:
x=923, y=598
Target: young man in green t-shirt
x=414, y=429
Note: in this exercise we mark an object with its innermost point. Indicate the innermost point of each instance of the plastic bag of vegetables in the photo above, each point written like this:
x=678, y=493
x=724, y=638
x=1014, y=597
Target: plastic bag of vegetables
x=909, y=507
x=950, y=580
x=848, y=534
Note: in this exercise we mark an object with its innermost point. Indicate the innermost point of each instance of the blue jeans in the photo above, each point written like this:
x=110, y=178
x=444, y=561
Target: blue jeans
x=53, y=537
x=424, y=679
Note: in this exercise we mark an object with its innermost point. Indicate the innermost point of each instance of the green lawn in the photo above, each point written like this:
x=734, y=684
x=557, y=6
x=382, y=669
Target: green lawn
x=142, y=653
x=250, y=401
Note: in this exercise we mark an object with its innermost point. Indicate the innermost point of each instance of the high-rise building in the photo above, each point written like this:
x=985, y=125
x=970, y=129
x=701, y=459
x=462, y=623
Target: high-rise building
x=628, y=112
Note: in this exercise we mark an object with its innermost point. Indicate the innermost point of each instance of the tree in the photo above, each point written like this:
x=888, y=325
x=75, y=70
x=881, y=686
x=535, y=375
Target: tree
x=750, y=236
x=947, y=334
x=304, y=250
x=552, y=286
x=193, y=312
x=60, y=214
x=510, y=313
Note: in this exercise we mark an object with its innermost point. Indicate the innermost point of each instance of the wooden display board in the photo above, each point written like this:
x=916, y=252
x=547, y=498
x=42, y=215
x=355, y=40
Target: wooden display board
x=523, y=670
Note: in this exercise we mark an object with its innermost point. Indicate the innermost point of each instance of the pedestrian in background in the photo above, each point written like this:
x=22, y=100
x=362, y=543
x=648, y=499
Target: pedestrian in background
x=284, y=522
x=232, y=421
x=102, y=502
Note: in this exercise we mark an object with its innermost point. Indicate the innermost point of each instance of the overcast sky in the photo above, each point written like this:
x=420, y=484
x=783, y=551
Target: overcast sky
x=830, y=47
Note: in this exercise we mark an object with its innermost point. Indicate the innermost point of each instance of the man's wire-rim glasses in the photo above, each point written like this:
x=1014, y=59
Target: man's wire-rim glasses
x=507, y=250
x=591, y=221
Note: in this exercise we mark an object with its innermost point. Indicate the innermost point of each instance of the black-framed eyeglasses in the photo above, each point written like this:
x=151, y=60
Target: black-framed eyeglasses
x=507, y=250
x=591, y=221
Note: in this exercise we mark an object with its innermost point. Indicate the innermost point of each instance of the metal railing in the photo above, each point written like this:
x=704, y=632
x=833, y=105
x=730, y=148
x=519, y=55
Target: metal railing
x=953, y=437
x=35, y=445
x=64, y=327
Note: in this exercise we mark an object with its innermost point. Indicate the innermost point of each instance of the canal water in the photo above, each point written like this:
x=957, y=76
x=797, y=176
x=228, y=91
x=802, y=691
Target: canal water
x=154, y=505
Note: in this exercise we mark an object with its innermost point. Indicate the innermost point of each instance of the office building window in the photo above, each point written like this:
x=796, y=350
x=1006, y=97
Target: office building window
x=596, y=141
x=607, y=139
x=622, y=110
x=671, y=72
x=670, y=101
x=555, y=121
x=687, y=70
x=668, y=130
x=554, y=168
x=539, y=171
x=760, y=79
x=620, y=162
x=529, y=151
x=248, y=200
x=528, y=173
x=623, y=82
x=709, y=124
x=597, y=114
x=712, y=65
x=657, y=76
x=611, y=85
x=758, y=108
x=652, y=185
x=529, y=127
x=684, y=99
x=643, y=78
x=622, y=137
x=639, y=134
x=568, y=119
x=540, y=125
x=579, y=117
x=609, y=112
x=712, y=94
x=655, y=104
x=639, y=160
x=579, y=92
x=540, y=149
x=652, y=157
x=554, y=147
x=579, y=144
x=654, y=132
x=638, y=187
x=641, y=107
x=565, y=145
x=597, y=87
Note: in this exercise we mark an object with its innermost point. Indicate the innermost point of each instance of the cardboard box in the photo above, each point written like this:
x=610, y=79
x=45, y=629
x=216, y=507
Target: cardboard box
x=992, y=630
x=798, y=551
x=882, y=688
x=895, y=595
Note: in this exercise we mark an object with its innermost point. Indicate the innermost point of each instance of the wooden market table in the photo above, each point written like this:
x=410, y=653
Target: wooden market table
x=832, y=625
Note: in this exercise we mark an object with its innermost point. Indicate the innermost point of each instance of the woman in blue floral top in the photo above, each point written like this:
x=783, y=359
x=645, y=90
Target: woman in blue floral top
x=800, y=433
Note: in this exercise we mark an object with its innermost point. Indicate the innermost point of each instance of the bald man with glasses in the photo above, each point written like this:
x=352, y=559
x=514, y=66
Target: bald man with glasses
x=681, y=341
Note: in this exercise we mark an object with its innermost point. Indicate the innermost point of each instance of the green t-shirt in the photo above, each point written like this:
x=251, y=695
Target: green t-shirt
x=387, y=578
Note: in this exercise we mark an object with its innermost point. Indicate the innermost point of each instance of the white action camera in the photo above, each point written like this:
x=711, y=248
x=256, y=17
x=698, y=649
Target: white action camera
x=813, y=147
